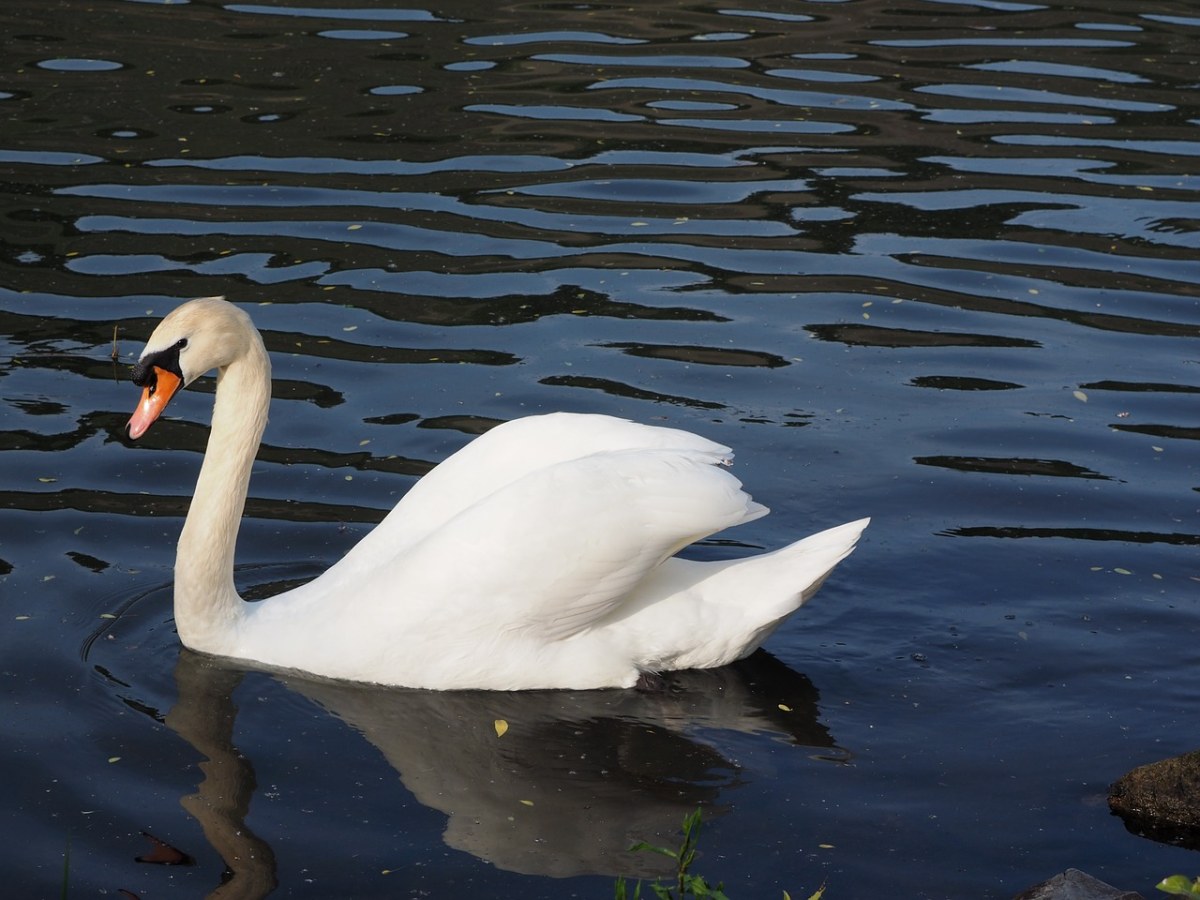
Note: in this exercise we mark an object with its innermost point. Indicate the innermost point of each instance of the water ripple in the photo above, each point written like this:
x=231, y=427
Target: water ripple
x=333, y=12
x=778, y=96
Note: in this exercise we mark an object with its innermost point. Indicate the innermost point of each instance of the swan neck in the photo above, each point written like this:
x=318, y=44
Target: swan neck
x=208, y=609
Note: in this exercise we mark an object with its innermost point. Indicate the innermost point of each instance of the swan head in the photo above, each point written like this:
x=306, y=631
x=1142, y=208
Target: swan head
x=197, y=337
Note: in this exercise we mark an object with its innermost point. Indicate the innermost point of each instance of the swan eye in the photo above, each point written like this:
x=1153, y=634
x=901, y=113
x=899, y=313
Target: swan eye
x=181, y=343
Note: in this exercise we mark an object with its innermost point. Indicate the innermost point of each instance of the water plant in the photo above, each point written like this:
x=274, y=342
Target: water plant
x=66, y=882
x=686, y=883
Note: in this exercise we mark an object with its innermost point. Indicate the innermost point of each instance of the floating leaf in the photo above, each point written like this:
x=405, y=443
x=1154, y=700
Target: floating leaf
x=113, y=759
x=1179, y=886
x=501, y=727
x=1121, y=571
x=527, y=803
x=163, y=854
x=1080, y=396
x=785, y=707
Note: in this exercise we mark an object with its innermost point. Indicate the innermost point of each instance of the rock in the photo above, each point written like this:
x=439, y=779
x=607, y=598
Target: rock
x=1075, y=885
x=1158, y=800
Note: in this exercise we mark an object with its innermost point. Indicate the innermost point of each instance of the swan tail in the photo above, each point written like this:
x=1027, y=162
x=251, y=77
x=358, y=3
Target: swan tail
x=736, y=604
x=791, y=577
x=785, y=579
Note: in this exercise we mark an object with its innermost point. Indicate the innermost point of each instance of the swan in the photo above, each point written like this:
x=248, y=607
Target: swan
x=541, y=555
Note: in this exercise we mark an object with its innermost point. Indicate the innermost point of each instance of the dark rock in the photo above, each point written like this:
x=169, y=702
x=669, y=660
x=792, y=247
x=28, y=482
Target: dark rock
x=1158, y=800
x=1075, y=885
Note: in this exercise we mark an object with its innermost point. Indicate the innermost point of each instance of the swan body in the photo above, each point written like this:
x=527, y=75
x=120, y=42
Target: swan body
x=541, y=555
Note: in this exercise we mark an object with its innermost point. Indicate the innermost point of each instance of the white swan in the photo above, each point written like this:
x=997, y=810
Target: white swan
x=538, y=556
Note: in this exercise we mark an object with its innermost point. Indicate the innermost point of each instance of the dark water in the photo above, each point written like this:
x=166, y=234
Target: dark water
x=929, y=261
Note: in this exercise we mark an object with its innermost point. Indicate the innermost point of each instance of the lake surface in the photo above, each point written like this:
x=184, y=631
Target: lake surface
x=933, y=262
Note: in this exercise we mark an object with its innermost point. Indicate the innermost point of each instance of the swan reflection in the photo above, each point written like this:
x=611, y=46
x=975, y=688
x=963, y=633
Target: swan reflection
x=573, y=781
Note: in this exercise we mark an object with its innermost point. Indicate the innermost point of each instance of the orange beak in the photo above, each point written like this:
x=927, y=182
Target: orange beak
x=155, y=397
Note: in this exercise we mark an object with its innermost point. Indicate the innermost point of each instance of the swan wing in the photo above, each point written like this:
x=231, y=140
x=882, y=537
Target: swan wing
x=560, y=548
x=499, y=457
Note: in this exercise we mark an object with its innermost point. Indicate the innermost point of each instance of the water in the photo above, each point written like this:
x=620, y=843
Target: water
x=929, y=261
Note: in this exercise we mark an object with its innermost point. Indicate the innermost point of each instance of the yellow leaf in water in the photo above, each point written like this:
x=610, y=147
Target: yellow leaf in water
x=47, y=480
x=113, y=759
x=785, y=707
x=527, y=803
x=107, y=616
x=1080, y=396
x=22, y=618
x=501, y=727
x=1121, y=571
